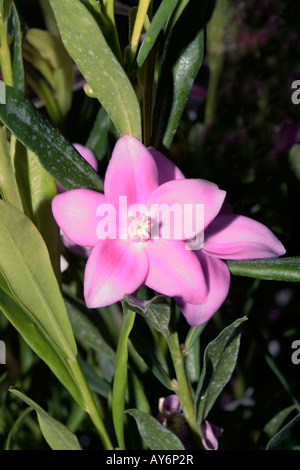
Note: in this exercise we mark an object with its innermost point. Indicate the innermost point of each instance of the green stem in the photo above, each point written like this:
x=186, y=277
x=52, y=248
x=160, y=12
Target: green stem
x=183, y=389
x=137, y=29
x=90, y=404
x=181, y=385
x=5, y=57
x=120, y=378
x=147, y=79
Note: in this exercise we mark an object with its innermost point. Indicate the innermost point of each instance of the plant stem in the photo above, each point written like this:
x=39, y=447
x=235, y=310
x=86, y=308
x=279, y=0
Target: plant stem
x=137, y=29
x=120, y=378
x=5, y=57
x=90, y=404
x=181, y=385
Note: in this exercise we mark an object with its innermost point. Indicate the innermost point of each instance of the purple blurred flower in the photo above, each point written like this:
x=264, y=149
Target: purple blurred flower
x=287, y=134
x=211, y=435
x=171, y=417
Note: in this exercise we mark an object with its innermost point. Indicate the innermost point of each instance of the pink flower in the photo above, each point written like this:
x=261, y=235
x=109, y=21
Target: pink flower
x=89, y=156
x=210, y=435
x=126, y=256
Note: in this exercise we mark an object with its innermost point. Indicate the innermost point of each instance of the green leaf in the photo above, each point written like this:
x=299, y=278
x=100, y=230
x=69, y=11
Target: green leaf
x=273, y=426
x=155, y=435
x=15, y=428
x=37, y=341
x=96, y=383
x=294, y=159
x=164, y=10
x=156, y=312
x=26, y=267
x=98, y=65
x=58, y=436
x=219, y=362
x=97, y=140
x=37, y=190
x=278, y=269
x=8, y=185
x=17, y=62
x=148, y=352
x=276, y=440
x=181, y=59
x=5, y=9
x=120, y=379
x=56, y=154
x=86, y=332
x=48, y=54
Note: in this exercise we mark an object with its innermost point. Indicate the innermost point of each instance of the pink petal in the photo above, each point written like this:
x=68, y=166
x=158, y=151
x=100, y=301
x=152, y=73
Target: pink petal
x=113, y=269
x=167, y=170
x=131, y=172
x=237, y=237
x=88, y=155
x=211, y=433
x=217, y=277
x=175, y=271
x=77, y=250
x=75, y=213
x=187, y=195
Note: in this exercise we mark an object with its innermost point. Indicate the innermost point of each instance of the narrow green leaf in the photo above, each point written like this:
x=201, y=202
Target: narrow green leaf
x=56, y=154
x=58, y=436
x=26, y=267
x=98, y=65
x=36, y=340
x=294, y=159
x=181, y=59
x=86, y=332
x=155, y=435
x=37, y=190
x=279, y=269
x=274, y=425
x=276, y=440
x=48, y=16
x=164, y=10
x=97, y=140
x=193, y=335
x=50, y=49
x=175, y=15
x=148, y=353
x=95, y=382
x=120, y=379
x=5, y=6
x=216, y=31
x=156, y=312
x=17, y=61
x=15, y=428
x=8, y=185
x=219, y=362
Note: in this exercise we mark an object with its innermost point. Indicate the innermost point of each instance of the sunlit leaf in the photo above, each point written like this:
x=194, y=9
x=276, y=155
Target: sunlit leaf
x=26, y=267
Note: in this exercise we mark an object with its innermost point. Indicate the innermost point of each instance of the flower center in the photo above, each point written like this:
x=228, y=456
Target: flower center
x=139, y=228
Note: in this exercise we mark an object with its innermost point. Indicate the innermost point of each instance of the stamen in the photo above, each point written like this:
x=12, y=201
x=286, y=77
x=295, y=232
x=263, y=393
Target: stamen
x=139, y=228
